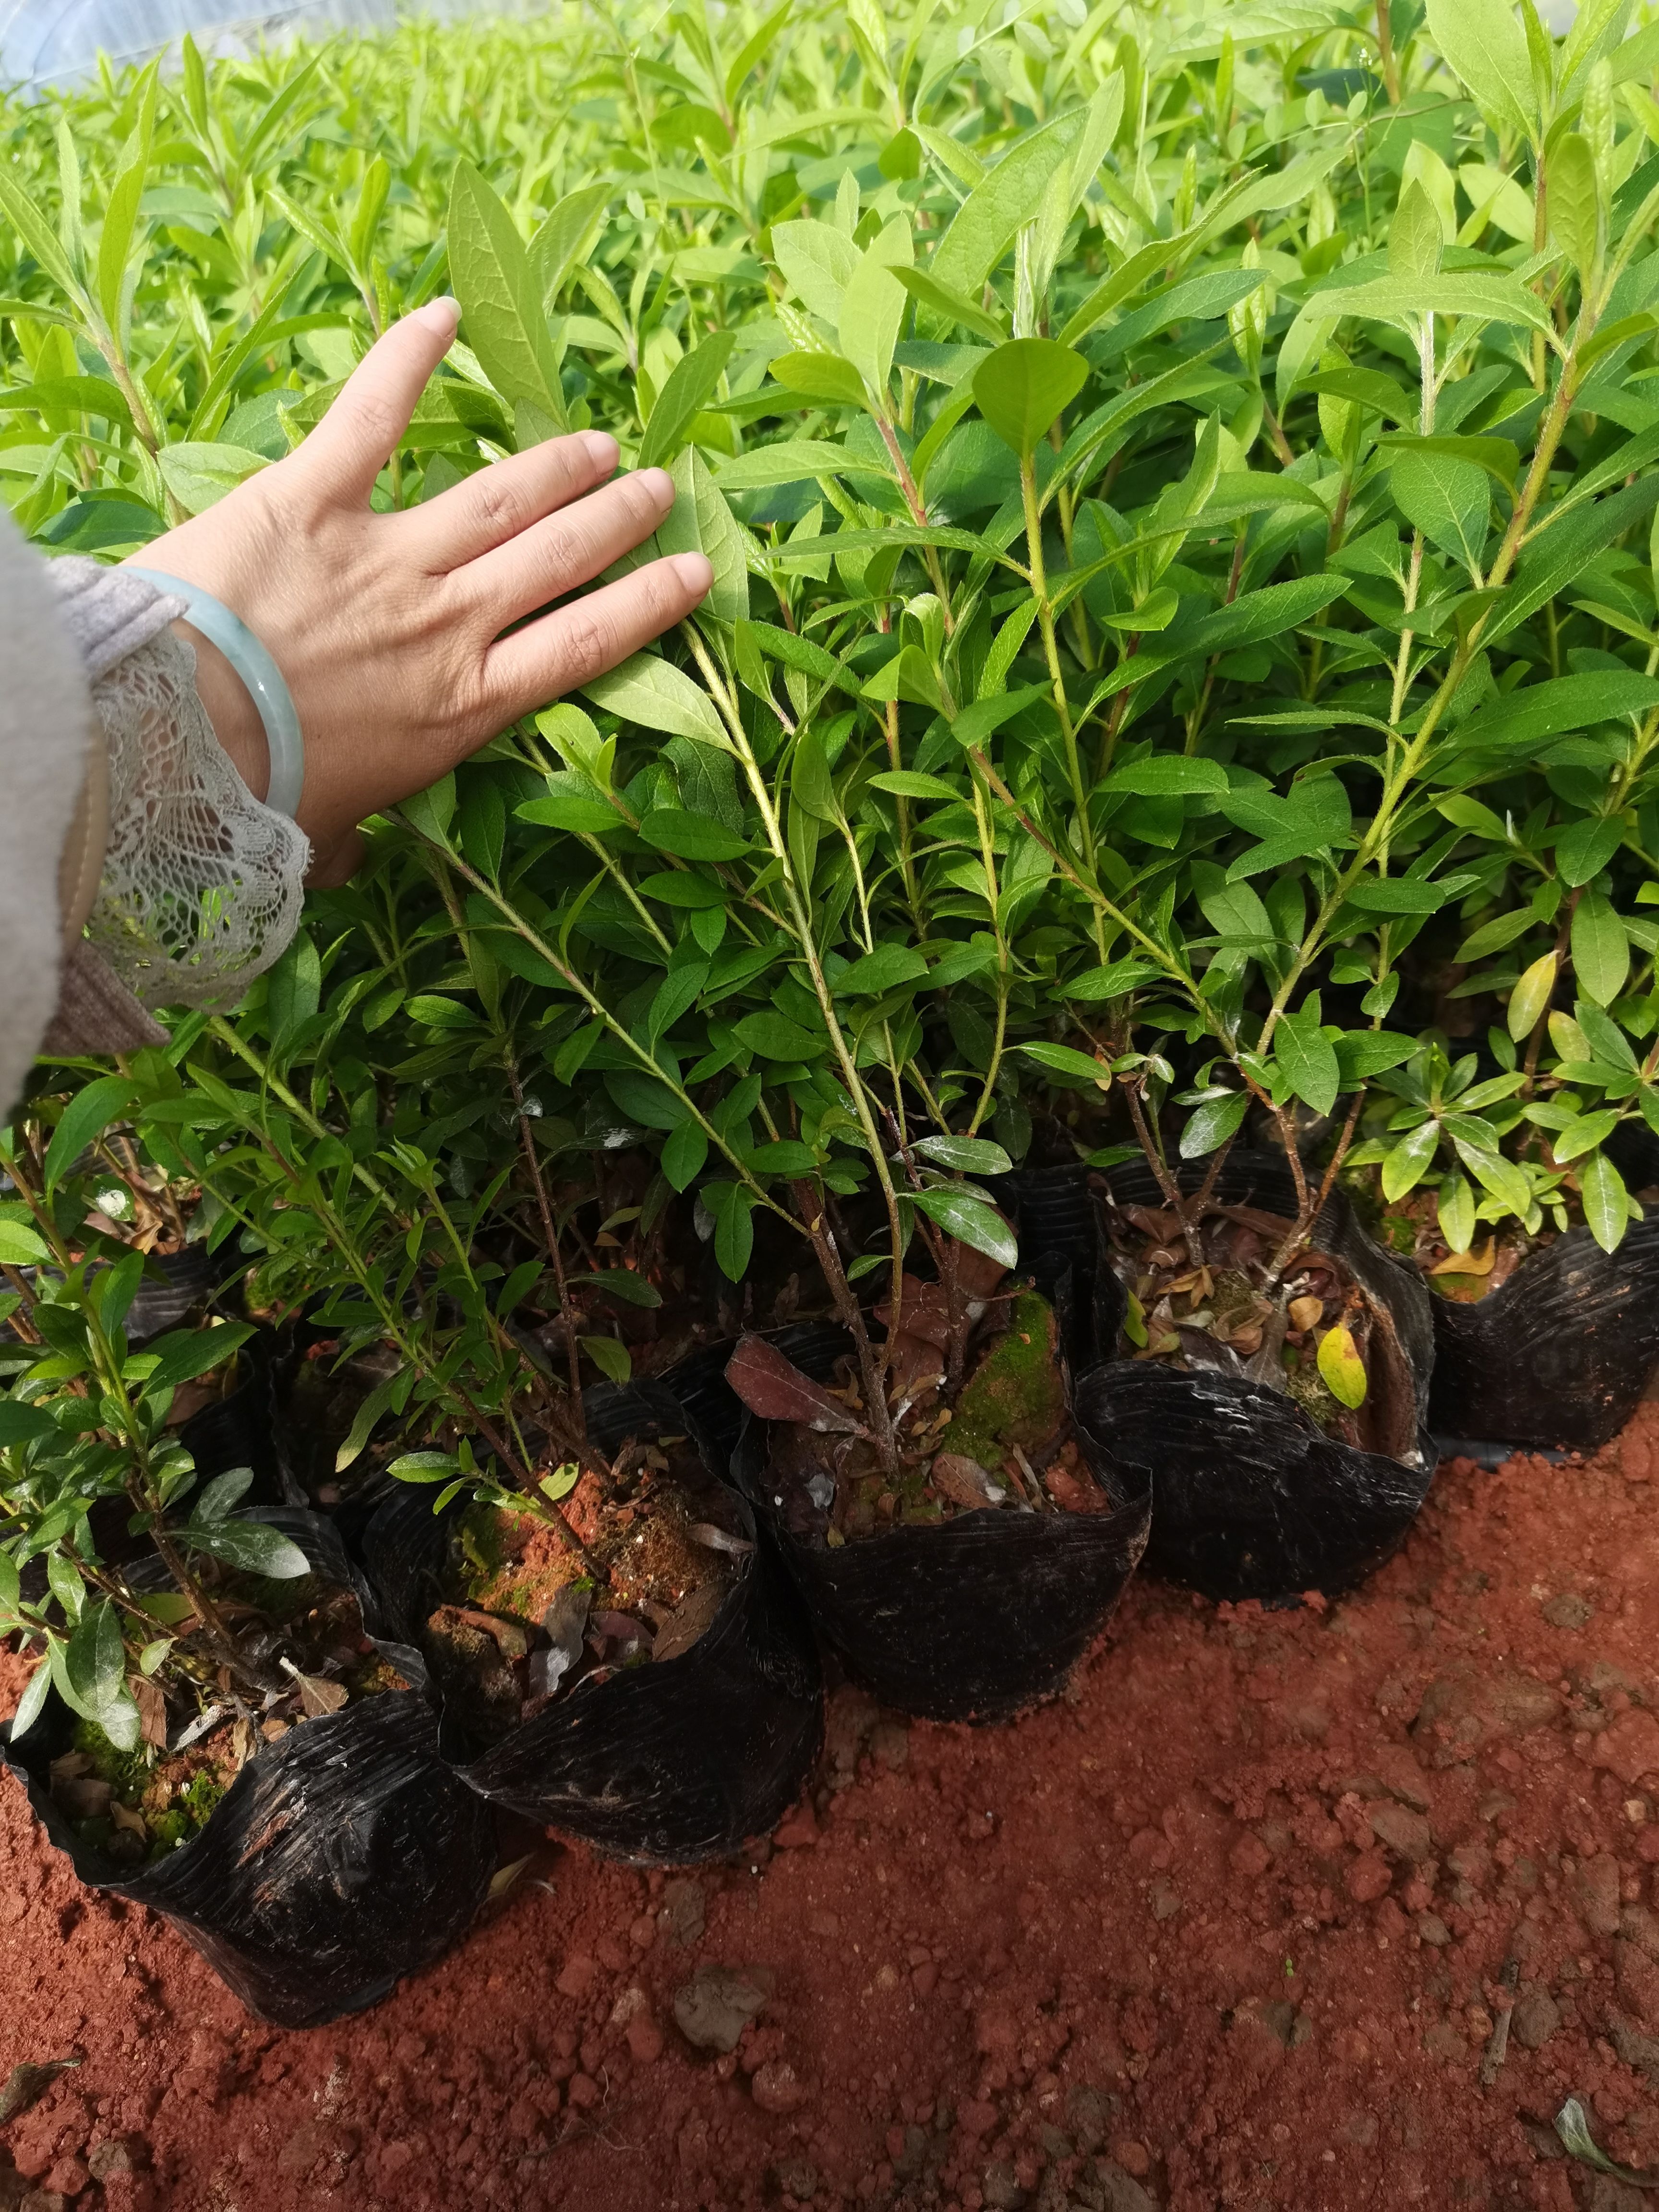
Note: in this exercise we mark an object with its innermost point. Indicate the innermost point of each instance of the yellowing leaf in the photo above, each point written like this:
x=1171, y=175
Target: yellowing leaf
x=1341, y=1367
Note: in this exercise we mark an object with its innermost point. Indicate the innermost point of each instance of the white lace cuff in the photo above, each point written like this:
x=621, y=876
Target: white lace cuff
x=202, y=885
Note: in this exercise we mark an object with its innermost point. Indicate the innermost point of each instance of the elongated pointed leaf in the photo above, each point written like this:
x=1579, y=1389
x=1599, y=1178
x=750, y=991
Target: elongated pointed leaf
x=501, y=296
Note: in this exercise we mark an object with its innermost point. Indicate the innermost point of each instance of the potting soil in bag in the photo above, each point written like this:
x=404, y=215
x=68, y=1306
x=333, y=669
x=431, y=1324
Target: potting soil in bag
x=975, y=1618
x=1250, y=1498
x=1558, y=1354
x=665, y=1762
x=342, y=1857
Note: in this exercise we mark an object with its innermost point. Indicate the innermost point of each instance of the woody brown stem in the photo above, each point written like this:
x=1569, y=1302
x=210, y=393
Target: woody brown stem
x=871, y=1371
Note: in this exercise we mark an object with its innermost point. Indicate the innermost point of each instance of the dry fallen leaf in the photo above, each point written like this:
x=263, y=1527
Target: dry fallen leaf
x=318, y=1695
x=965, y=1481
x=1307, y=1312
x=26, y=2084
x=504, y=1877
x=774, y=1388
x=1468, y=1263
x=152, y=1710
x=689, y=1621
x=123, y=1817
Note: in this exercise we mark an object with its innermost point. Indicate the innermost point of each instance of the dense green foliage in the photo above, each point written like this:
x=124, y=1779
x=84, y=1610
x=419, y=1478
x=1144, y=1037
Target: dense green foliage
x=1183, y=637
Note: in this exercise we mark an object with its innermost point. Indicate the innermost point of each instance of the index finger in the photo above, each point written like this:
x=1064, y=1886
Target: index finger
x=351, y=445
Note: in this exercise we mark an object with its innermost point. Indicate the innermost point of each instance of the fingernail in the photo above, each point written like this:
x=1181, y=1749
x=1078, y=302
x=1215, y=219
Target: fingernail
x=441, y=317
x=601, y=448
x=694, y=571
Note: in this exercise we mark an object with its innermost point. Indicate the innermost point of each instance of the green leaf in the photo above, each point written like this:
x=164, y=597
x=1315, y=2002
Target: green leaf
x=1167, y=775
x=873, y=309
x=1600, y=949
x=622, y=1283
x=184, y=1354
x=1521, y=718
x=95, y=1655
x=1111, y=981
x=251, y=1546
x=1448, y=501
x=1365, y=1053
x=1396, y=895
x=690, y=837
x=926, y=288
x=221, y=1497
x=107, y=1098
x=686, y=1150
x=20, y=1246
x=611, y=1359
x=502, y=297
x=735, y=1229
x=1454, y=1211
x=1009, y=196
x=702, y=522
x=35, y=234
x=1530, y=998
x=35, y=1691
x=1476, y=296
x=1576, y=205
x=433, y=1012
x=985, y=717
x=1416, y=241
x=1252, y=616
x=904, y=783
x=656, y=695
x=1308, y=1060
x=774, y=1037
x=580, y=815
x=1583, y=1133
x=964, y=1155
x=971, y=1219
x=692, y=383
x=1024, y=385
x=818, y=261
x=1064, y=1059
x=1606, y=1204
x=1562, y=544
x=794, y=460
x=1486, y=45
x=1209, y=1126
x=1495, y=936
x=824, y=376
x=877, y=973
x=557, y=246
x=199, y=476
x=21, y=1422
x=1583, y=849
x=1341, y=1368
x=121, y=215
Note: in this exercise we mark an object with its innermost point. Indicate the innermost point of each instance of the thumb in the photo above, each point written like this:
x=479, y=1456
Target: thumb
x=351, y=445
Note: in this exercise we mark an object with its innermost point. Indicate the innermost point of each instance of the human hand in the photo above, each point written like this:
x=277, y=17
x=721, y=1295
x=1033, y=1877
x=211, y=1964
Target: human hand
x=387, y=627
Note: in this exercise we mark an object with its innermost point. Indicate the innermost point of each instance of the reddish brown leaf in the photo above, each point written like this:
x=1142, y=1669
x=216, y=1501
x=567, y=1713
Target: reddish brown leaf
x=924, y=1313
x=774, y=1388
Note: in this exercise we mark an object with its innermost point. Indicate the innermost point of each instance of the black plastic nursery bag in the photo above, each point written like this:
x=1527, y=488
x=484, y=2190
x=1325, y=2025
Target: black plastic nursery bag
x=664, y=1764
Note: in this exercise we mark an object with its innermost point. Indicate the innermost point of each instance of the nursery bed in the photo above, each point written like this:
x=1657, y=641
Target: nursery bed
x=1232, y=1918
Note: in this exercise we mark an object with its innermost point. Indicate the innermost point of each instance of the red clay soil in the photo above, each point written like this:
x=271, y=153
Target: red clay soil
x=1227, y=1927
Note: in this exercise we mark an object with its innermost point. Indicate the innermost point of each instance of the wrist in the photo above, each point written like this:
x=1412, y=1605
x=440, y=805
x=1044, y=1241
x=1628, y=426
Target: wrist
x=230, y=709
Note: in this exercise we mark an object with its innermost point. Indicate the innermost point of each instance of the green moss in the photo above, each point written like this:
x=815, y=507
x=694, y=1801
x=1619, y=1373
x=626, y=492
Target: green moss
x=1016, y=1396
x=126, y=1771
x=1305, y=1384
x=483, y=1545
x=200, y=1801
x=166, y=1832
